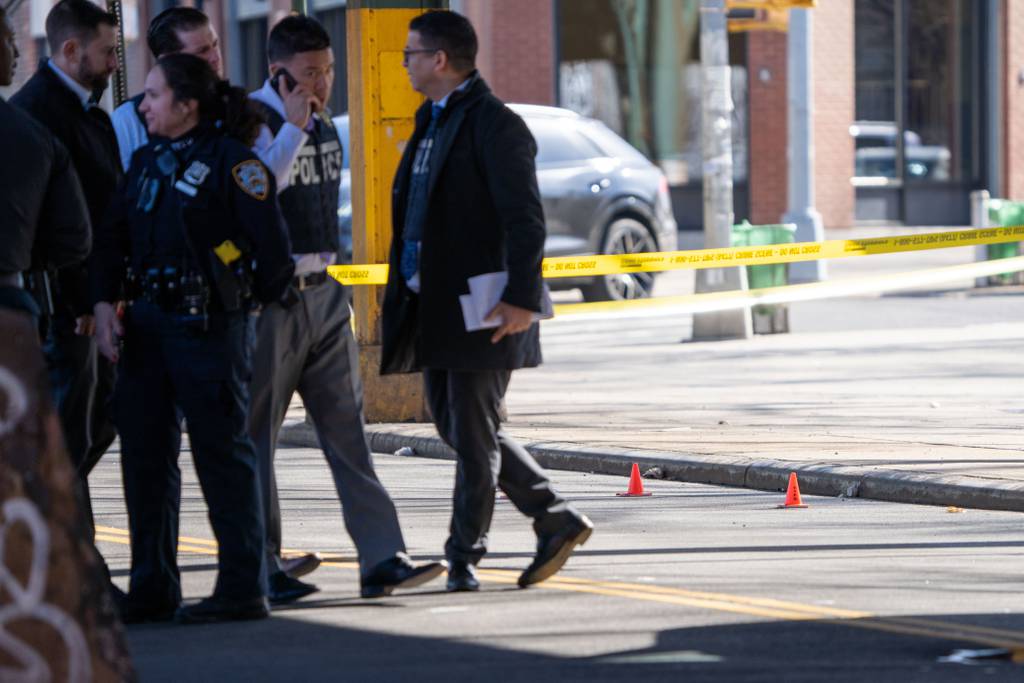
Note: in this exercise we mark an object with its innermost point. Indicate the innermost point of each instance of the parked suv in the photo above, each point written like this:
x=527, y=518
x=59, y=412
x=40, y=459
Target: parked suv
x=875, y=155
x=600, y=196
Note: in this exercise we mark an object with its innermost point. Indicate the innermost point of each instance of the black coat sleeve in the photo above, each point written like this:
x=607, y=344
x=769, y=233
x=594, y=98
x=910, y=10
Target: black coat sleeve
x=64, y=235
x=252, y=200
x=112, y=243
x=507, y=156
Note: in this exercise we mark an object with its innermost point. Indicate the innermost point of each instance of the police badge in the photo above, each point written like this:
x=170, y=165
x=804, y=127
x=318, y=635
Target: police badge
x=196, y=173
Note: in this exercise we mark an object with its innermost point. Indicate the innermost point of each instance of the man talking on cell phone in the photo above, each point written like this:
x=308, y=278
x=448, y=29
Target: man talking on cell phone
x=304, y=342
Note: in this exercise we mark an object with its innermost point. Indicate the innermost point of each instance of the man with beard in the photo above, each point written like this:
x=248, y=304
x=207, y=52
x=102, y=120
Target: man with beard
x=42, y=211
x=62, y=95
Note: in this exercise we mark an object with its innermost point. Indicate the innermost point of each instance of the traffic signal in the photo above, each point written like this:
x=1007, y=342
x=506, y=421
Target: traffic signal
x=762, y=15
x=771, y=4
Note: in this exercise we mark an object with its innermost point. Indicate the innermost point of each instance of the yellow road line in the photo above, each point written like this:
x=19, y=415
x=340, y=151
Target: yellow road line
x=343, y=565
x=123, y=540
x=769, y=603
x=721, y=602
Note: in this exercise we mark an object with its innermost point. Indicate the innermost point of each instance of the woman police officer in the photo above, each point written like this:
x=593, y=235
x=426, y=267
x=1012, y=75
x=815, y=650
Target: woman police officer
x=192, y=238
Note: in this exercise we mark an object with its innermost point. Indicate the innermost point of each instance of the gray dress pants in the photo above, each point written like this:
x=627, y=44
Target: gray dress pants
x=466, y=407
x=309, y=347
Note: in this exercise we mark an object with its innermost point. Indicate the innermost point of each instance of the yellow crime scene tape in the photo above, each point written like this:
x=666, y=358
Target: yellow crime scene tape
x=611, y=264
x=830, y=289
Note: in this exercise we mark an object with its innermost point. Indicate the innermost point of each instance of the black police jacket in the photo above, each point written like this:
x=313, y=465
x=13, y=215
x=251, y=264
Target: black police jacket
x=42, y=211
x=89, y=137
x=484, y=215
x=183, y=198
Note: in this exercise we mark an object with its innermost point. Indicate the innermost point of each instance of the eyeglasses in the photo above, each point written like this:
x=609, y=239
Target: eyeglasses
x=406, y=52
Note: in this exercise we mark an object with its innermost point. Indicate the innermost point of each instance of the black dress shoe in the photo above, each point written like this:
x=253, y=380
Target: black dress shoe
x=134, y=613
x=554, y=550
x=301, y=565
x=285, y=589
x=213, y=609
x=462, y=578
x=398, y=572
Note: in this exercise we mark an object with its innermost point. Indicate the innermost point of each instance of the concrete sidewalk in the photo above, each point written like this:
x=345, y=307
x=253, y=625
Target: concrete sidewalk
x=929, y=416
x=914, y=398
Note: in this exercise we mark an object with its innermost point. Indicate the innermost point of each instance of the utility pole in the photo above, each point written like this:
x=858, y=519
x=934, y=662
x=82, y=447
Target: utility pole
x=382, y=107
x=716, y=145
x=801, y=210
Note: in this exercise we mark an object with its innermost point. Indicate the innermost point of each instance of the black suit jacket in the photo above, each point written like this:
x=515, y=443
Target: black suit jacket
x=44, y=218
x=484, y=215
x=89, y=138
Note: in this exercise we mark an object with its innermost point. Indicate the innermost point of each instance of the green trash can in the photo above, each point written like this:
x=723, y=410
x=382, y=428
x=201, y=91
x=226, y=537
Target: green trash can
x=1002, y=213
x=767, y=318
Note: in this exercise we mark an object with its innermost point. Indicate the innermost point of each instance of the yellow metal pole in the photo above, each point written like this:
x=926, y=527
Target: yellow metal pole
x=382, y=105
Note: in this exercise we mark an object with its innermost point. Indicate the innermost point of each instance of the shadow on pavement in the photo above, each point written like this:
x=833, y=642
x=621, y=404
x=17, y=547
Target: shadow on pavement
x=824, y=651
x=288, y=649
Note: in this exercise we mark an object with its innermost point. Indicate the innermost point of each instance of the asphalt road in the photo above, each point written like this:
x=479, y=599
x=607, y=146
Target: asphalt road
x=694, y=583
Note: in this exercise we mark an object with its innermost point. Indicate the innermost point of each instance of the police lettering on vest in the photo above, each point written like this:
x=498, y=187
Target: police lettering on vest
x=310, y=202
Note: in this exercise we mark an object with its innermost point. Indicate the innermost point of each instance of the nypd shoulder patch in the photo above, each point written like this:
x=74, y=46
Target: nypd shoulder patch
x=252, y=177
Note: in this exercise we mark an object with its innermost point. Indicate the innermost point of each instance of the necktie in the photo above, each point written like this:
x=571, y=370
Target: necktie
x=416, y=209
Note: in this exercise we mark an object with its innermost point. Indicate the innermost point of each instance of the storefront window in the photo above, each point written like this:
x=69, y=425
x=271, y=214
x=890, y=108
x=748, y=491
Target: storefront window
x=635, y=65
x=874, y=131
x=915, y=55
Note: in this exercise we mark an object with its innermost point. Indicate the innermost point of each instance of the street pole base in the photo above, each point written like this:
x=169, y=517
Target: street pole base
x=722, y=325
x=391, y=398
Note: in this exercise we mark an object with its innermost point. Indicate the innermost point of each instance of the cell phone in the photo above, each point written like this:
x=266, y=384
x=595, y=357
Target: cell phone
x=275, y=80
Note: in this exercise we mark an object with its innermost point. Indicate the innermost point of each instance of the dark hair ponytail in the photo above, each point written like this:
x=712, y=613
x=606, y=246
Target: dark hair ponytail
x=220, y=103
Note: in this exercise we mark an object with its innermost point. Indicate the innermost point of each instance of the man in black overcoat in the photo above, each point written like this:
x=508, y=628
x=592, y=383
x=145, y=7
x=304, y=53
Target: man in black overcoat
x=465, y=202
x=63, y=96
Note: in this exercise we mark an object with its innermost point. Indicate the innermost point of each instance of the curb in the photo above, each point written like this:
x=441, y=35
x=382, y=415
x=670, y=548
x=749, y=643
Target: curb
x=818, y=479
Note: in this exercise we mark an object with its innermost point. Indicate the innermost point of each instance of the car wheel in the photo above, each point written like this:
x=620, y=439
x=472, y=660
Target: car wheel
x=624, y=236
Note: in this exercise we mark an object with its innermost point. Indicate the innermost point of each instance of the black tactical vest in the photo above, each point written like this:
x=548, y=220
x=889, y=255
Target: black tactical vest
x=310, y=202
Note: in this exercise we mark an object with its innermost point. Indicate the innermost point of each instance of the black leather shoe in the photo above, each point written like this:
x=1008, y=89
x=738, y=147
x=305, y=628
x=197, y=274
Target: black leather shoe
x=462, y=578
x=134, y=613
x=301, y=565
x=285, y=589
x=214, y=609
x=554, y=550
x=398, y=572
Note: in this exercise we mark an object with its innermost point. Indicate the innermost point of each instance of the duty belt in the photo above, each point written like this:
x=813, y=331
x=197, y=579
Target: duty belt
x=301, y=282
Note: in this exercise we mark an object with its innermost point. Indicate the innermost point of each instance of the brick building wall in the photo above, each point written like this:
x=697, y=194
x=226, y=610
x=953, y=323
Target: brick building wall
x=766, y=62
x=517, y=48
x=1013, y=102
x=29, y=55
x=834, y=111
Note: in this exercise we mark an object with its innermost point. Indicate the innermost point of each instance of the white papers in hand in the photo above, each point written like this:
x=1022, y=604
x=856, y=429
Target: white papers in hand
x=484, y=294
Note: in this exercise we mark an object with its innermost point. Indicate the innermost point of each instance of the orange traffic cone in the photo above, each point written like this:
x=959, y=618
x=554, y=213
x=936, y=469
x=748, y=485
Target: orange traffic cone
x=793, y=494
x=636, y=484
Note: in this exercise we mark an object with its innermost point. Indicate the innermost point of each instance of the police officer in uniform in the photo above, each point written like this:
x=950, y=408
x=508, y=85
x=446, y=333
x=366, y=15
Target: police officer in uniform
x=198, y=224
x=305, y=342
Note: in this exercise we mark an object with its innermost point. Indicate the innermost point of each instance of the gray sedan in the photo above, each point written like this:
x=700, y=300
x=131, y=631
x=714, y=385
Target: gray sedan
x=600, y=195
